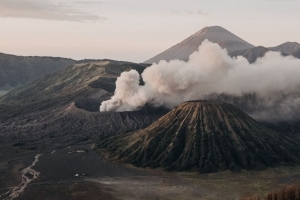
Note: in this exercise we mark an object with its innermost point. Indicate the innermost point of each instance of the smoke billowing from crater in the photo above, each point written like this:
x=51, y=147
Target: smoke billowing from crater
x=210, y=70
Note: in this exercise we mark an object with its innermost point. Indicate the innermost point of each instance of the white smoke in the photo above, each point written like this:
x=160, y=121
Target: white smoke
x=210, y=70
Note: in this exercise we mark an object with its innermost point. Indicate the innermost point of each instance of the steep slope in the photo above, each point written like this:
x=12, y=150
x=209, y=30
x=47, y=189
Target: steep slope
x=64, y=107
x=290, y=48
x=207, y=136
x=297, y=54
x=20, y=70
x=214, y=34
x=279, y=113
x=250, y=54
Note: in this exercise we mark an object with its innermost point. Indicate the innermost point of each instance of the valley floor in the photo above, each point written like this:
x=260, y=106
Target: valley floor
x=78, y=172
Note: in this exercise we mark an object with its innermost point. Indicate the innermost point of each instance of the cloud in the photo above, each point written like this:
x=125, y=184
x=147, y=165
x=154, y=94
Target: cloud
x=198, y=12
x=45, y=10
x=87, y=2
x=270, y=86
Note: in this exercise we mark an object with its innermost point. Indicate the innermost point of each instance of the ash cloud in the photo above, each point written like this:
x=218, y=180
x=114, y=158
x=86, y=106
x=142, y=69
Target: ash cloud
x=210, y=71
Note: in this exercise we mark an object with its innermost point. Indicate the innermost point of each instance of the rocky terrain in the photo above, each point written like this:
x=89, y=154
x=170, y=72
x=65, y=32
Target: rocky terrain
x=215, y=34
x=250, y=54
x=20, y=70
x=54, y=112
x=50, y=121
x=206, y=136
x=290, y=48
x=64, y=107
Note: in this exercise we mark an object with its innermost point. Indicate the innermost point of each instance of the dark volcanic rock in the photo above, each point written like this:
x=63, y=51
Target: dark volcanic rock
x=290, y=48
x=297, y=54
x=207, y=136
x=254, y=53
x=250, y=54
x=64, y=107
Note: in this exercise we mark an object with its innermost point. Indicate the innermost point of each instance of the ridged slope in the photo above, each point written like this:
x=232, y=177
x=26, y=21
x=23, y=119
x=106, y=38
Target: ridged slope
x=214, y=34
x=64, y=107
x=287, y=48
x=205, y=136
x=251, y=54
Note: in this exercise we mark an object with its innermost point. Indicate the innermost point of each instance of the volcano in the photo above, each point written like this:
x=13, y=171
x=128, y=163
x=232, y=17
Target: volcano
x=215, y=34
x=204, y=136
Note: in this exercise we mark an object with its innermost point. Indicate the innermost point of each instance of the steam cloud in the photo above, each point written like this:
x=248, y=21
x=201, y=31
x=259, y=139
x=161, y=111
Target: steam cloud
x=210, y=70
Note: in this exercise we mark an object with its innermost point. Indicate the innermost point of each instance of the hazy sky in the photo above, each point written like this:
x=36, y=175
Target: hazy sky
x=135, y=30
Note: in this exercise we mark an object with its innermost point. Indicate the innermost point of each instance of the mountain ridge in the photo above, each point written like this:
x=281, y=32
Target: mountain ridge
x=289, y=48
x=250, y=54
x=20, y=70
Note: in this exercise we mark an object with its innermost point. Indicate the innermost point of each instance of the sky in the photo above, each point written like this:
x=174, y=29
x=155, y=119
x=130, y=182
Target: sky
x=136, y=30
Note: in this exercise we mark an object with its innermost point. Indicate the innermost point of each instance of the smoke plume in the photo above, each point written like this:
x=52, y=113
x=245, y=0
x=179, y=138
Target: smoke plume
x=210, y=70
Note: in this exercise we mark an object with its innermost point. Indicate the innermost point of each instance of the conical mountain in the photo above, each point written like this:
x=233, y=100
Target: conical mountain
x=205, y=136
x=214, y=34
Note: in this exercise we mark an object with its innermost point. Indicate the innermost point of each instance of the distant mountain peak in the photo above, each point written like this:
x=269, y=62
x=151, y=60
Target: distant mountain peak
x=261, y=47
x=290, y=43
x=215, y=34
x=291, y=48
x=250, y=54
x=215, y=28
x=212, y=28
